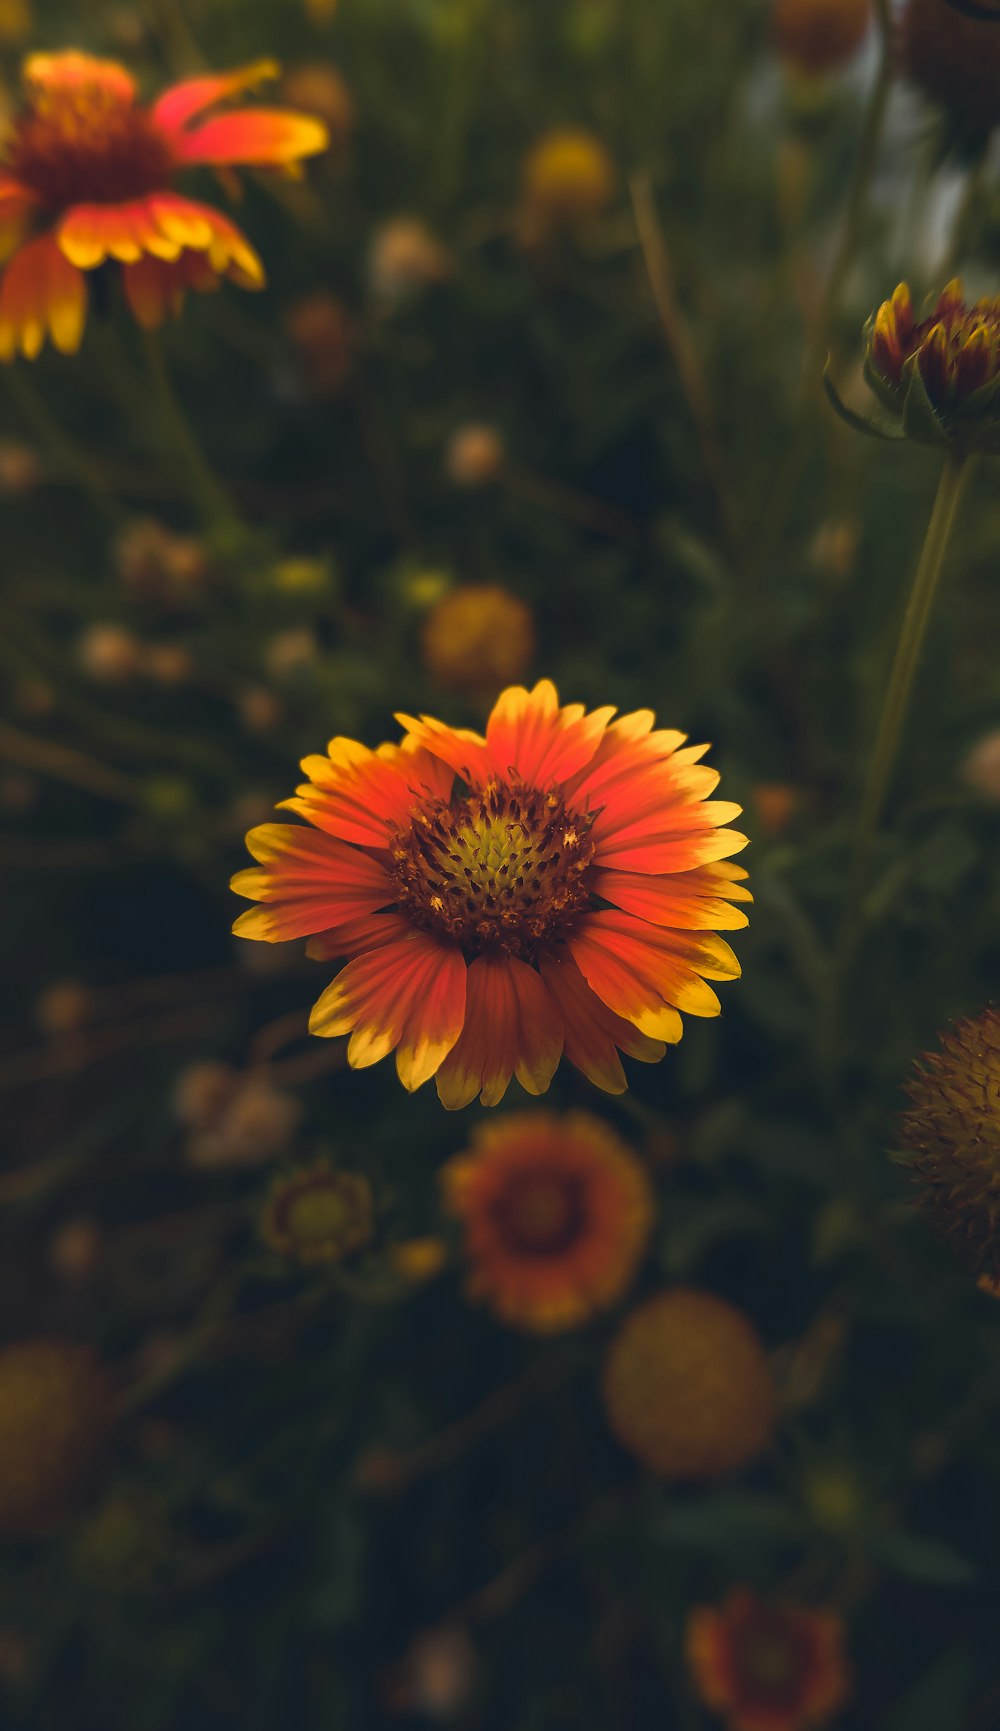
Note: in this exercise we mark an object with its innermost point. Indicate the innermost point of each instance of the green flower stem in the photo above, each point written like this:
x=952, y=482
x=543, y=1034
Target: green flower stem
x=907, y=659
x=179, y=442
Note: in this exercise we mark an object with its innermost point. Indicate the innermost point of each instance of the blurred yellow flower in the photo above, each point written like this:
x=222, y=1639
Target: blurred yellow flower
x=478, y=638
x=16, y=21
x=56, y=1418
x=317, y=1214
x=567, y=179
x=687, y=1386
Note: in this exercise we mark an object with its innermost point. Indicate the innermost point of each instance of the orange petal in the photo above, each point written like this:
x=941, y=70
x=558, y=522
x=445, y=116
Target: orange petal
x=409, y=993
x=253, y=138
x=536, y=741
x=692, y=901
x=41, y=294
x=313, y=882
x=647, y=974
x=183, y=101
x=353, y=794
x=356, y=937
x=72, y=70
x=594, y=1034
x=155, y=288
x=462, y=750
x=511, y=1027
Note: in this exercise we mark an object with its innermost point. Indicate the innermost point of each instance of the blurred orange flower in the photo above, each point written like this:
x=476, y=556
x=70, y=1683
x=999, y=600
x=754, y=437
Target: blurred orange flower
x=817, y=36
x=554, y=887
x=556, y=1212
x=766, y=1665
x=89, y=178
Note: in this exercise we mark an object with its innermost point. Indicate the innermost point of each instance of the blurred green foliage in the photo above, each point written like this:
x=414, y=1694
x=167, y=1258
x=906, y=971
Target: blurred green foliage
x=314, y=1471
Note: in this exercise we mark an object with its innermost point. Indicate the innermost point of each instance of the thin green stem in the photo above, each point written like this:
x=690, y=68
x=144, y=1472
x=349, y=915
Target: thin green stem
x=178, y=439
x=905, y=663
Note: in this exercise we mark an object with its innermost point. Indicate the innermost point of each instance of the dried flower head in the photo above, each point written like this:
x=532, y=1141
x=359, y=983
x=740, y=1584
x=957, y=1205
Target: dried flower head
x=555, y=1212
x=317, y=1214
x=950, y=1138
x=980, y=768
x=555, y=886
x=818, y=36
x=109, y=654
x=687, y=1386
x=325, y=338
x=56, y=1418
x=157, y=565
x=405, y=256
x=475, y=454
x=477, y=638
x=955, y=61
x=89, y=180
x=767, y=1665
x=939, y=376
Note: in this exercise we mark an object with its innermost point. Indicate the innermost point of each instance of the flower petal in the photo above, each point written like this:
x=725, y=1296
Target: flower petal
x=41, y=294
x=155, y=288
x=253, y=138
x=355, y=937
x=692, y=901
x=511, y=1027
x=71, y=70
x=533, y=740
x=409, y=993
x=314, y=882
x=462, y=750
x=183, y=101
x=593, y=1033
x=647, y=974
x=353, y=794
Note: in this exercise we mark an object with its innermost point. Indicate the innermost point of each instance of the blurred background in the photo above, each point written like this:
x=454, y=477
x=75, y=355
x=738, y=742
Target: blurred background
x=533, y=389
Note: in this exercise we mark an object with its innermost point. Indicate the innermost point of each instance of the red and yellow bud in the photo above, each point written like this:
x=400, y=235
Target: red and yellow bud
x=939, y=377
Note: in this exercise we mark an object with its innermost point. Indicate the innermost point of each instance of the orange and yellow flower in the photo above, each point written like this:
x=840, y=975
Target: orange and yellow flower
x=556, y=1213
x=767, y=1665
x=89, y=181
x=555, y=887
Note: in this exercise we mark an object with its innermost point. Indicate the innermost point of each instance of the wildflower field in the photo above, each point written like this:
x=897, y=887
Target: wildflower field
x=499, y=811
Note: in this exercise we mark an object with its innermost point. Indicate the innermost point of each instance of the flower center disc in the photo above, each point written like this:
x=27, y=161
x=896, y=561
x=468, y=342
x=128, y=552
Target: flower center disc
x=769, y=1662
x=317, y=1214
x=503, y=870
x=87, y=143
x=541, y=1215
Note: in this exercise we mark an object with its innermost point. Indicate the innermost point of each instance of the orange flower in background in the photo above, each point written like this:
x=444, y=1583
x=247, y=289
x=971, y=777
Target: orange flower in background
x=88, y=179
x=818, y=36
x=766, y=1665
x=556, y=1213
x=553, y=888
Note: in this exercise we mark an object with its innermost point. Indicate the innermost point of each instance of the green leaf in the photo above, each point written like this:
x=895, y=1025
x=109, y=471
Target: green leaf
x=940, y=1697
x=917, y=1558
